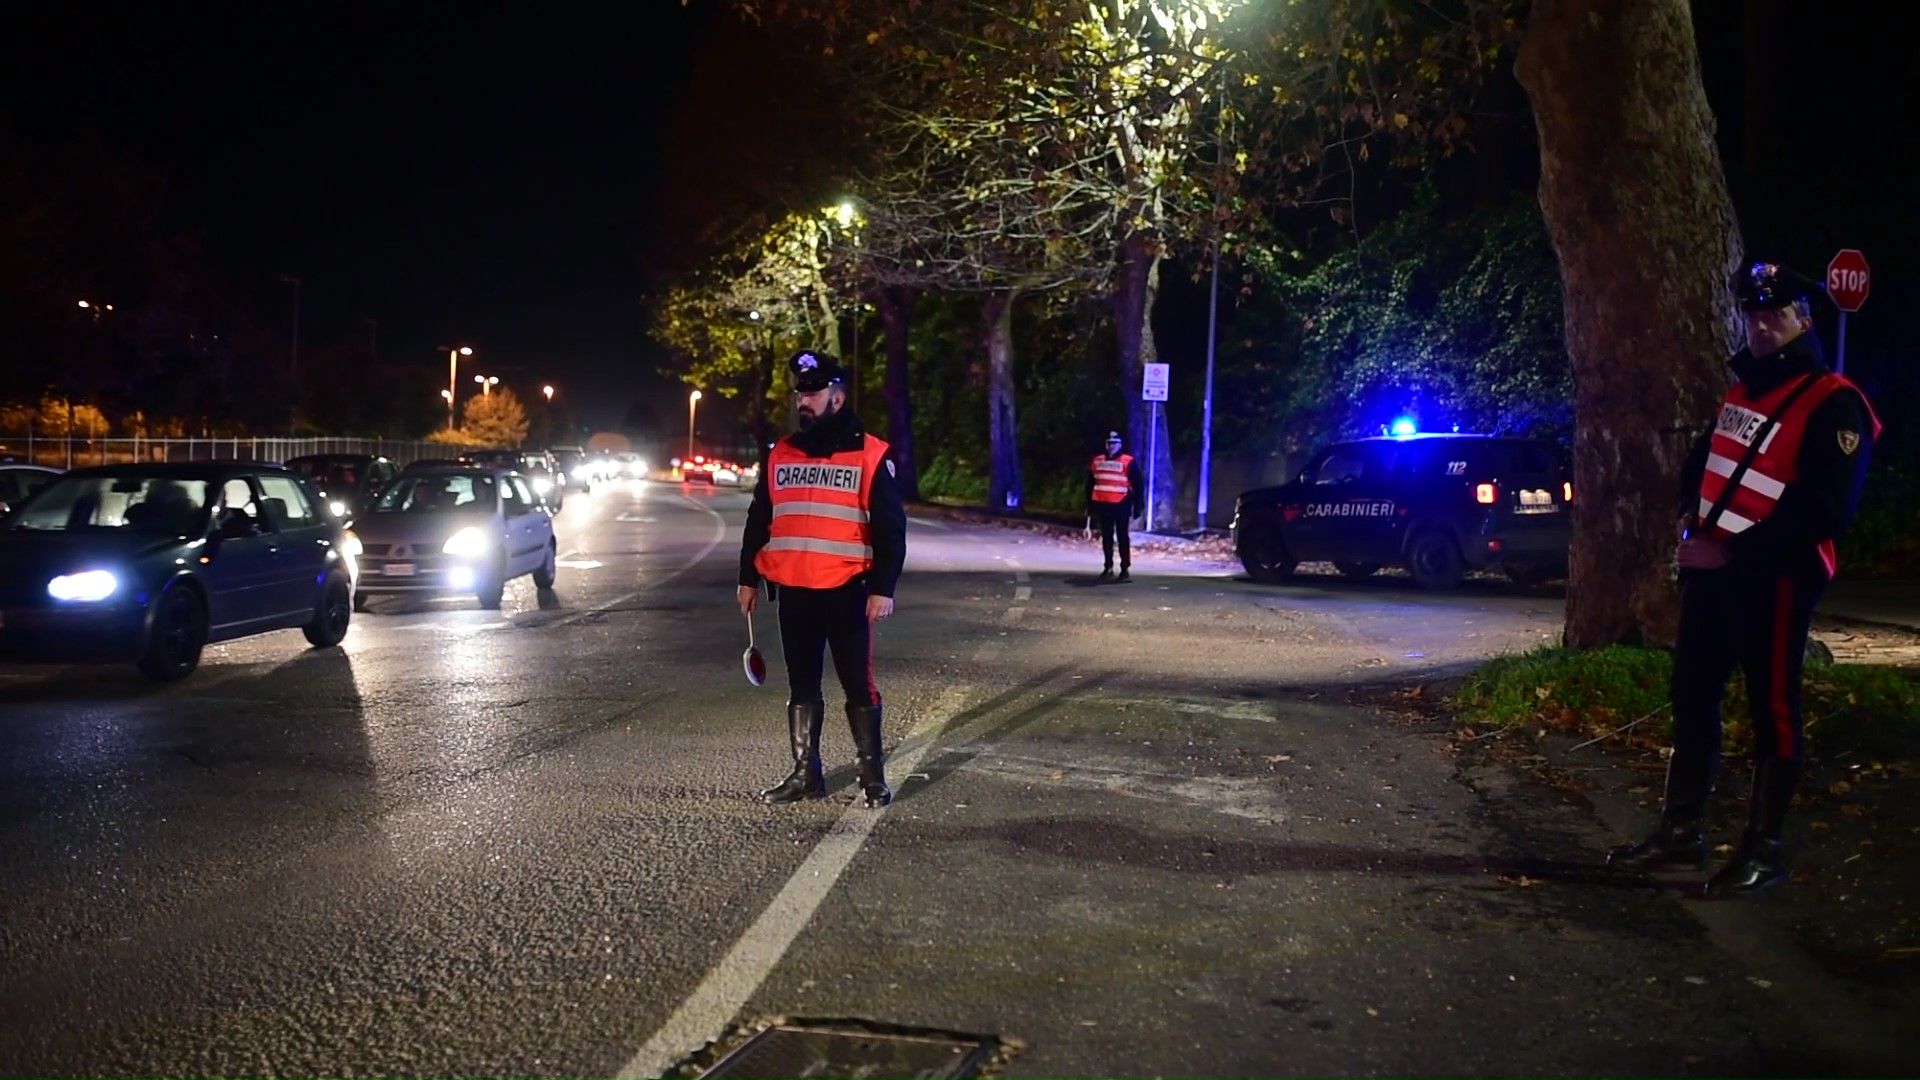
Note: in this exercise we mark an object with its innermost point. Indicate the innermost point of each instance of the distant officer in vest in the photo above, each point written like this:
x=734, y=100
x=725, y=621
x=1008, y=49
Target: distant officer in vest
x=828, y=530
x=1764, y=496
x=1113, y=501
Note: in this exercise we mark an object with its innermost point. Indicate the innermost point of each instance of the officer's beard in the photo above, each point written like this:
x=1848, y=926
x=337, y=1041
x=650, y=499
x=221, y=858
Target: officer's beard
x=808, y=419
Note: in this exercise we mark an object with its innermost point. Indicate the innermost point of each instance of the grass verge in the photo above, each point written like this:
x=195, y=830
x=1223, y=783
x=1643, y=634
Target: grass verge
x=1864, y=708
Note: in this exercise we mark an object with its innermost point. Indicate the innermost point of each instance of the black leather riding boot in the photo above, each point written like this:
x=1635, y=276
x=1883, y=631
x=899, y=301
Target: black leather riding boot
x=803, y=732
x=1676, y=842
x=864, y=720
x=1761, y=858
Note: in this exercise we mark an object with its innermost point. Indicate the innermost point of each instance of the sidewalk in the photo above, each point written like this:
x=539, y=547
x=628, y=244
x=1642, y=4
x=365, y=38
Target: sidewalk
x=1890, y=602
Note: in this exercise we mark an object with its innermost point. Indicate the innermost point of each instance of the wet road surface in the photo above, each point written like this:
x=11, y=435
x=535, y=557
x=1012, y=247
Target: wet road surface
x=1138, y=828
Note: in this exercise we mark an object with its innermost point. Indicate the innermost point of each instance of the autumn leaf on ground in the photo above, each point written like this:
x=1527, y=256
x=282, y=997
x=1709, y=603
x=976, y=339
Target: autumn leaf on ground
x=1519, y=881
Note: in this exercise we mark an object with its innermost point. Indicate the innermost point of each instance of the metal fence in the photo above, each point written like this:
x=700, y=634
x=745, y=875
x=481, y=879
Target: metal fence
x=73, y=453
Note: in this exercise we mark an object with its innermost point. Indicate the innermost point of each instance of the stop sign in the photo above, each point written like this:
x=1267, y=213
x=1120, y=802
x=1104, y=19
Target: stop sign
x=1848, y=279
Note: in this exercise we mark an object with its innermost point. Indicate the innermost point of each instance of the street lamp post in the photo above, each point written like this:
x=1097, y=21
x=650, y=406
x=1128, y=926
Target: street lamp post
x=453, y=376
x=693, y=401
x=486, y=384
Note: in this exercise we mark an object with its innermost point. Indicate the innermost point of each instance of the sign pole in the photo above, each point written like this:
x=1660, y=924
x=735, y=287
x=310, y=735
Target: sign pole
x=1153, y=456
x=1840, y=362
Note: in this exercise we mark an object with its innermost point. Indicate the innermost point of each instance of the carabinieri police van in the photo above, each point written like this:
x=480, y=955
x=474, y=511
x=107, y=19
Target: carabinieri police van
x=1437, y=504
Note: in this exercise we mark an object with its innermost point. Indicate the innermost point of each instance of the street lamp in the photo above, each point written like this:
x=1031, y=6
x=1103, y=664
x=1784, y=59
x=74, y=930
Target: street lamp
x=453, y=375
x=548, y=390
x=693, y=401
x=486, y=384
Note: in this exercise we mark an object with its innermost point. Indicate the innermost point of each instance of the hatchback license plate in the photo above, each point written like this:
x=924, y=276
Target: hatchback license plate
x=399, y=569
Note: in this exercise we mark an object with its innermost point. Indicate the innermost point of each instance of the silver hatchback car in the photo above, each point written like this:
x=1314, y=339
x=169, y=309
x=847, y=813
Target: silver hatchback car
x=449, y=530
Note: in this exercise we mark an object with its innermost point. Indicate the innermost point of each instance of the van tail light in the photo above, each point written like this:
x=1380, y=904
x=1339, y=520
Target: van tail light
x=1566, y=491
x=1486, y=494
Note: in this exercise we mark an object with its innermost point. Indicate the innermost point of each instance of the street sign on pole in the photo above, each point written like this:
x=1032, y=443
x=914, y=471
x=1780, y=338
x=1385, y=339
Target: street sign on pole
x=1849, y=279
x=1154, y=386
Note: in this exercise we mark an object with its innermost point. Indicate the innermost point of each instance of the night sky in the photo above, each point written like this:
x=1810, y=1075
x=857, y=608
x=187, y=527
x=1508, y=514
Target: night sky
x=478, y=175
x=515, y=179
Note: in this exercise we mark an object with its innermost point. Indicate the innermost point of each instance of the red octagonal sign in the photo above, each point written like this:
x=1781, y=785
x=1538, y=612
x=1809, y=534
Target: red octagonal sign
x=1848, y=280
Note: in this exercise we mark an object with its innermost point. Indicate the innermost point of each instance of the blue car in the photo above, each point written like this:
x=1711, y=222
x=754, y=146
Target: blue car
x=150, y=563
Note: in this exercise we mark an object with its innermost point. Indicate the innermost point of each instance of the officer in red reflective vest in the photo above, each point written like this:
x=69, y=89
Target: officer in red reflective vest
x=828, y=530
x=1764, y=496
x=1113, y=501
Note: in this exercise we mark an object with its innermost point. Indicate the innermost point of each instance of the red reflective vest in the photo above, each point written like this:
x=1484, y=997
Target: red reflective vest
x=821, y=537
x=1110, y=478
x=1743, y=416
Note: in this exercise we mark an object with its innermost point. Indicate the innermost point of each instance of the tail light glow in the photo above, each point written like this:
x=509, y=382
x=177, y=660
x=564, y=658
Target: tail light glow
x=1486, y=494
x=1566, y=491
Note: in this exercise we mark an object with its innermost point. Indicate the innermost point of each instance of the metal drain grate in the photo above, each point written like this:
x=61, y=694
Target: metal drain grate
x=842, y=1048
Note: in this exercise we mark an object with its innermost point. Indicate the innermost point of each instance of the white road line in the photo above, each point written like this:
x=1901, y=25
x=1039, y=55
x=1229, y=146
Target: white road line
x=1023, y=594
x=719, y=533
x=732, y=982
x=727, y=988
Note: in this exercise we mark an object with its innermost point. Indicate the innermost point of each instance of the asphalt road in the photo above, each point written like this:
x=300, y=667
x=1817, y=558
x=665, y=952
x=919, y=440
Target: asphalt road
x=1140, y=829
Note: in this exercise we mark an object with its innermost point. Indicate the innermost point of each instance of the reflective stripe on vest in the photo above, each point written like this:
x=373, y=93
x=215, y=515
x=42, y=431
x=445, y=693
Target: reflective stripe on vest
x=1777, y=465
x=1110, y=478
x=820, y=536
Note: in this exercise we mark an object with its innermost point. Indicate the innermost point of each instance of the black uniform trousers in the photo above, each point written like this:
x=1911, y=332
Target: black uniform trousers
x=1759, y=624
x=1115, y=521
x=813, y=621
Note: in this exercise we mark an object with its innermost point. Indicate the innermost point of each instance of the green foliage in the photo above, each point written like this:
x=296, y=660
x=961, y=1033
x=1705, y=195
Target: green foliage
x=1451, y=320
x=955, y=479
x=1862, y=707
x=495, y=419
x=1884, y=540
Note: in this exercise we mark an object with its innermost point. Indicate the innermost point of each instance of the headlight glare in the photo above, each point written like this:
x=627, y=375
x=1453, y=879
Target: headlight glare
x=467, y=543
x=86, y=586
x=351, y=545
x=339, y=508
x=542, y=486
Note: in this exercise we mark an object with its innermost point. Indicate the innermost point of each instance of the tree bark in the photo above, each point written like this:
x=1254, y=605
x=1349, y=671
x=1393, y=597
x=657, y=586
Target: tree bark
x=1635, y=200
x=762, y=387
x=1135, y=289
x=896, y=316
x=1003, y=492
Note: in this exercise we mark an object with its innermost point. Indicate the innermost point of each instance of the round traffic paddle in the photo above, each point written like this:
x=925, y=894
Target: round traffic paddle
x=751, y=660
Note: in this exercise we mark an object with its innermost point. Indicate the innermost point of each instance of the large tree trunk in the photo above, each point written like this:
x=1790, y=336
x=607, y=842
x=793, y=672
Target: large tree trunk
x=1003, y=492
x=1135, y=290
x=896, y=315
x=1636, y=203
x=757, y=413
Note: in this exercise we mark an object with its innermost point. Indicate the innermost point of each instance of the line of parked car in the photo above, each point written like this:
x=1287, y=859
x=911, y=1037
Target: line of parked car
x=153, y=562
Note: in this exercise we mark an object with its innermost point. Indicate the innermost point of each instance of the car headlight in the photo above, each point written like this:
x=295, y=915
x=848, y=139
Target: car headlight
x=581, y=472
x=339, y=508
x=351, y=545
x=467, y=543
x=542, y=486
x=86, y=586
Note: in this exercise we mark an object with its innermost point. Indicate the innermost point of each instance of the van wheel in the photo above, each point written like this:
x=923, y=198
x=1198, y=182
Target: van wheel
x=1267, y=561
x=1356, y=569
x=179, y=634
x=1434, y=560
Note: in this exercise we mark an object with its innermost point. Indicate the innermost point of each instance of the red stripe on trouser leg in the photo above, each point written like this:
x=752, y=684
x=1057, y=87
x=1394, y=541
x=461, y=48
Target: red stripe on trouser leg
x=1782, y=631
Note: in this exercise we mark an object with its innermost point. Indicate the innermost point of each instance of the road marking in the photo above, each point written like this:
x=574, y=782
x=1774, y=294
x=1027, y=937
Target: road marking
x=732, y=982
x=719, y=533
x=578, y=564
x=923, y=522
x=1023, y=594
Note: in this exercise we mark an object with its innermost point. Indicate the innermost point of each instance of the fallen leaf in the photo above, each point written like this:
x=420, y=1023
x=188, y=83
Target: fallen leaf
x=1543, y=692
x=1696, y=980
x=1519, y=881
x=1723, y=849
x=1761, y=983
x=1275, y=759
x=1854, y=810
x=1819, y=826
x=1057, y=775
x=1840, y=787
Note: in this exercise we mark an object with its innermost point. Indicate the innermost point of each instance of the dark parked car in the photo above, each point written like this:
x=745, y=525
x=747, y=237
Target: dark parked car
x=19, y=481
x=150, y=563
x=1437, y=504
x=348, y=483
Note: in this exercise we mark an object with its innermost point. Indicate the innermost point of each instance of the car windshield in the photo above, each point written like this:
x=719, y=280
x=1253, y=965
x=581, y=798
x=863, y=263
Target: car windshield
x=533, y=463
x=448, y=493
x=328, y=474
x=157, y=505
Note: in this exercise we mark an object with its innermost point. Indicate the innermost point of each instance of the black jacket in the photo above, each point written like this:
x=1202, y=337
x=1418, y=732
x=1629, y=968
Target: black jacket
x=887, y=515
x=1136, y=489
x=1821, y=503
